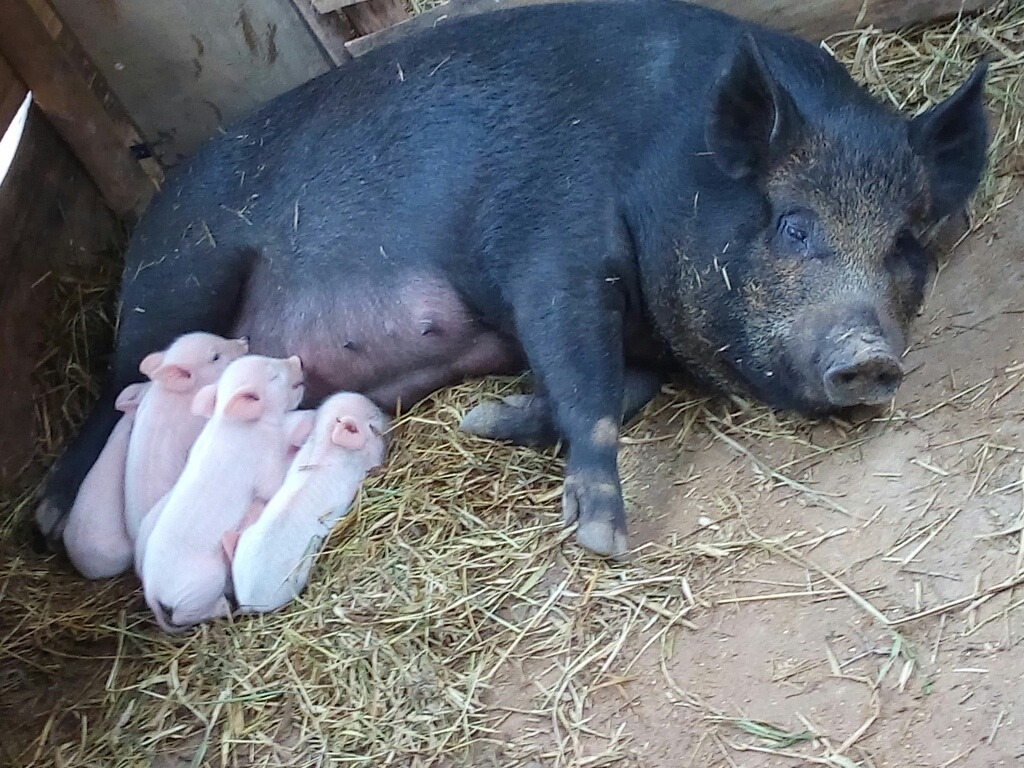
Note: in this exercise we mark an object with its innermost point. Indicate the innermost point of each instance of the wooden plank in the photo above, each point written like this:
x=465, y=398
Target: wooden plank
x=78, y=116
x=328, y=6
x=12, y=94
x=185, y=69
x=331, y=30
x=812, y=19
x=376, y=15
x=54, y=218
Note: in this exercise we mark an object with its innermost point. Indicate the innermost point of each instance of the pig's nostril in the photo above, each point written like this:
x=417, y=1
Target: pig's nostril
x=872, y=380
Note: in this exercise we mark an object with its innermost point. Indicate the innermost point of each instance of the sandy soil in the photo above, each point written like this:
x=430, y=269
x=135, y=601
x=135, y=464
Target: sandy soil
x=940, y=472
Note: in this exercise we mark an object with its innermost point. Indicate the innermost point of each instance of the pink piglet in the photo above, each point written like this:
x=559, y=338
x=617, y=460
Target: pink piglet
x=272, y=557
x=238, y=462
x=95, y=537
x=165, y=427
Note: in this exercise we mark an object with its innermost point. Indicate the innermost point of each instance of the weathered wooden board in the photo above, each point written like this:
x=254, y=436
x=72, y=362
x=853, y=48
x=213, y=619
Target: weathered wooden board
x=332, y=30
x=813, y=19
x=186, y=68
x=376, y=15
x=27, y=43
x=12, y=93
x=326, y=6
x=53, y=216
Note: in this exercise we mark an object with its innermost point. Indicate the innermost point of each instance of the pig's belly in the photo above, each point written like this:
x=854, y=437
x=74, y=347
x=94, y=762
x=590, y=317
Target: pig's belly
x=395, y=344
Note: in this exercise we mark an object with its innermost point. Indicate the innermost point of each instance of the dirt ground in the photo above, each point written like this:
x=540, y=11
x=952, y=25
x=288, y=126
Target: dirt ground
x=925, y=488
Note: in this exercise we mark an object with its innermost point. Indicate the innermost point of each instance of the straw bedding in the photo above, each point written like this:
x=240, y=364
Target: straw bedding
x=452, y=572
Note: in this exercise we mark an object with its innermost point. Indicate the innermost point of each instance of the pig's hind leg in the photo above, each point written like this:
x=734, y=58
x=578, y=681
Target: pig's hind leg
x=160, y=301
x=527, y=419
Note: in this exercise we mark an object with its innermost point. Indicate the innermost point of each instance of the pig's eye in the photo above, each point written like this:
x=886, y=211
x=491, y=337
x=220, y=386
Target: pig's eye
x=793, y=228
x=216, y=357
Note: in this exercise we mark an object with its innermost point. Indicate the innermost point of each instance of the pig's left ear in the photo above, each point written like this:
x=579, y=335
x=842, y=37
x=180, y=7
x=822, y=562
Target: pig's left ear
x=245, y=404
x=300, y=426
x=951, y=138
x=176, y=378
x=348, y=434
x=752, y=122
x=205, y=401
x=150, y=363
x=130, y=397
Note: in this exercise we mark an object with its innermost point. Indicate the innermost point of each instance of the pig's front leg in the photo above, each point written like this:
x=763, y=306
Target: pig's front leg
x=572, y=338
x=528, y=420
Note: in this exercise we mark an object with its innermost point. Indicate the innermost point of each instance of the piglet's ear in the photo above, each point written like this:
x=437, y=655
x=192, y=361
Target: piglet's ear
x=150, y=363
x=244, y=405
x=205, y=401
x=300, y=425
x=951, y=138
x=130, y=398
x=176, y=378
x=752, y=121
x=348, y=434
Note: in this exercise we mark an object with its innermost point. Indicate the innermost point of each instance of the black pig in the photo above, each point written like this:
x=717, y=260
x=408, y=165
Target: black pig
x=601, y=192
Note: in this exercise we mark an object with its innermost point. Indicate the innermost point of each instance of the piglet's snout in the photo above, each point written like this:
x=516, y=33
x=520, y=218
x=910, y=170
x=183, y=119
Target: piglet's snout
x=864, y=371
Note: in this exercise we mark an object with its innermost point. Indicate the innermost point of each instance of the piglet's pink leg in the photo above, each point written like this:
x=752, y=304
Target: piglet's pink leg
x=229, y=541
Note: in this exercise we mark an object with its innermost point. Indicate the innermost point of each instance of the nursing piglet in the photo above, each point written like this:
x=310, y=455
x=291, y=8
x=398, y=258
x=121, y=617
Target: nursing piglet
x=95, y=537
x=272, y=557
x=240, y=458
x=165, y=426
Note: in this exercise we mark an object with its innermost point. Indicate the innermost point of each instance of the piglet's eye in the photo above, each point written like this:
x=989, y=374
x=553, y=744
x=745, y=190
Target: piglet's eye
x=216, y=357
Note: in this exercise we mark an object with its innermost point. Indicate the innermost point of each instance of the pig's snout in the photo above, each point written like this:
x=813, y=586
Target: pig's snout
x=864, y=372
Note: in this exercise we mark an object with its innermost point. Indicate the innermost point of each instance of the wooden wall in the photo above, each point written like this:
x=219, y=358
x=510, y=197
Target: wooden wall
x=184, y=68
x=53, y=216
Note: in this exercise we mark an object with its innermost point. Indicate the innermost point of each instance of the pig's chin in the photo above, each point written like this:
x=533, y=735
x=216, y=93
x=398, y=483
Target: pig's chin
x=783, y=387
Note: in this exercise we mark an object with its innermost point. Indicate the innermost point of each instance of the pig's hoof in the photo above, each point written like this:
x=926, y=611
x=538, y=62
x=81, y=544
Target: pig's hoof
x=517, y=419
x=602, y=519
x=602, y=538
x=51, y=518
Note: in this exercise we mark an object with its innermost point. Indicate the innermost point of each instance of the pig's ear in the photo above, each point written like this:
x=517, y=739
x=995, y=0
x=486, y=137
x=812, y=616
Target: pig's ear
x=176, y=378
x=951, y=138
x=348, y=434
x=130, y=398
x=150, y=363
x=752, y=121
x=301, y=425
x=205, y=401
x=245, y=404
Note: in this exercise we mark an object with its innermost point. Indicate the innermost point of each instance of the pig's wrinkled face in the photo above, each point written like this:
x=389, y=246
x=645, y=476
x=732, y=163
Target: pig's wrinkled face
x=835, y=276
x=808, y=303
